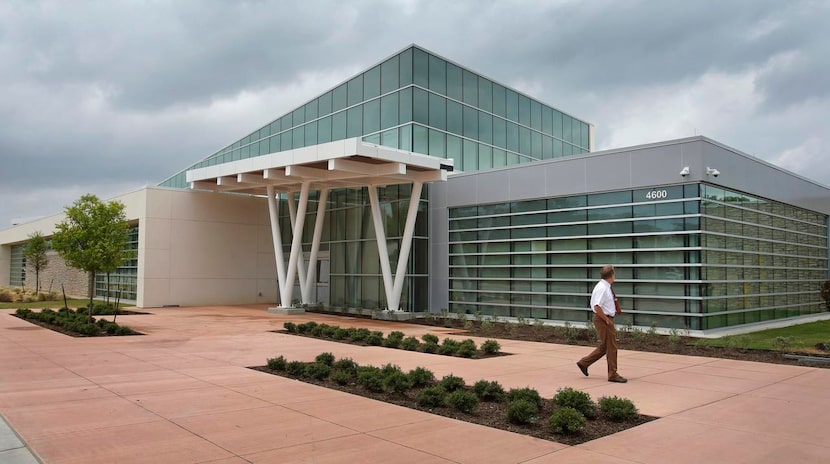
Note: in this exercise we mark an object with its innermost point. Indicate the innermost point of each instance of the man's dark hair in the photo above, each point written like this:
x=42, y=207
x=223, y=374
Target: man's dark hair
x=606, y=271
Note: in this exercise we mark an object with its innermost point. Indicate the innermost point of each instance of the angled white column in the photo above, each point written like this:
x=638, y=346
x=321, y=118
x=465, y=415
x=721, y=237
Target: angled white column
x=301, y=273
x=383, y=252
x=296, y=244
x=276, y=236
x=315, y=245
x=406, y=245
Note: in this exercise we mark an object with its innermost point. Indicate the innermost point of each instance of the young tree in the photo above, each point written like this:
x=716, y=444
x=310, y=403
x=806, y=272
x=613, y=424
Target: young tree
x=35, y=254
x=92, y=237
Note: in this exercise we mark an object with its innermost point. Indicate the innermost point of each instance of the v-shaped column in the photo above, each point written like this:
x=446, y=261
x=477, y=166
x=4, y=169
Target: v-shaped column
x=276, y=236
x=393, y=285
x=306, y=276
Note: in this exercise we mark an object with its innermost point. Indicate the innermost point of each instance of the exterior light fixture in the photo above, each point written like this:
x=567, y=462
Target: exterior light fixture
x=712, y=172
x=685, y=171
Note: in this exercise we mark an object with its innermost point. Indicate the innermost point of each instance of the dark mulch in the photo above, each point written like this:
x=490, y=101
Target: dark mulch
x=488, y=414
x=628, y=340
x=71, y=333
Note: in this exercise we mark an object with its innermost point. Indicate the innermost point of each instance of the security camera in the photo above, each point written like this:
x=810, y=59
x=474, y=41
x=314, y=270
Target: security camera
x=685, y=171
x=712, y=172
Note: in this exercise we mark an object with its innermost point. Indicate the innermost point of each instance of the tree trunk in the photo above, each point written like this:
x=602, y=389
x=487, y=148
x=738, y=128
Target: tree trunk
x=91, y=294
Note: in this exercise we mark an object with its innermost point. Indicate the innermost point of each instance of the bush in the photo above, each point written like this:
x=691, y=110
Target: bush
x=328, y=331
x=521, y=411
x=463, y=401
x=466, y=349
x=340, y=333
x=23, y=312
x=430, y=347
x=394, y=339
x=566, y=420
x=421, y=377
x=432, y=397
x=370, y=378
x=317, y=330
x=306, y=327
x=341, y=377
x=317, y=370
x=325, y=358
x=430, y=338
x=88, y=329
x=375, y=338
x=451, y=383
x=617, y=409
x=397, y=382
x=295, y=368
x=488, y=390
x=277, y=364
x=527, y=393
x=345, y=364
x=490, y=347
x=360, y=334
x=579, y=400
x=449, y=347
x=410, y=344
x=122, y=330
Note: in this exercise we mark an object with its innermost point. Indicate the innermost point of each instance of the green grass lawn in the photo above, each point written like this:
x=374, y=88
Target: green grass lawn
x=802, y=337
x=44, y=304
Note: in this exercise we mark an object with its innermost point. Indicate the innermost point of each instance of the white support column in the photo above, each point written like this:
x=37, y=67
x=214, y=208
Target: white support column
x=301, y=274
x=296, y=244
x=315, y=245
x=383, y=252
x=276, y=235
x=406, y=245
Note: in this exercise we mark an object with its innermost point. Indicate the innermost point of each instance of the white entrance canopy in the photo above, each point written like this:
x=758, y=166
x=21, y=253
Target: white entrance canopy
x=349, y=163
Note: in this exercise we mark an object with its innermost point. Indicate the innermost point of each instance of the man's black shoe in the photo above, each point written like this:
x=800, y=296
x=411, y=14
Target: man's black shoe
x=583, y=369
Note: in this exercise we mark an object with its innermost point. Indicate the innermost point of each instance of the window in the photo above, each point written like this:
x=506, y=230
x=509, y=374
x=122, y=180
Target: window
x=389, y=75
x=389, y=111
x=371, y=116
x=470, y=122
x=420, y=107
x=455, y=117
x=437, y=75
x=421, y=68
x=470, y=88
x=437, y=111
x=454, y=82
x=371, y=83
x=354, y=119
x=355, y=90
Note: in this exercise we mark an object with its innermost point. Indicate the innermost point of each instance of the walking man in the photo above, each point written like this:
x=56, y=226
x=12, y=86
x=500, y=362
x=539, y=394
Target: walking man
x=605, y=305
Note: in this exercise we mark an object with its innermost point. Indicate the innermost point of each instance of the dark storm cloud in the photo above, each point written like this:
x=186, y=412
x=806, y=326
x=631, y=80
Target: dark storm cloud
x=132, y=92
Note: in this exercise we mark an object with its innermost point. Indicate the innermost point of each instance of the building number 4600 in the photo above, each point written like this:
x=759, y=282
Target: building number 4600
x=657, y=195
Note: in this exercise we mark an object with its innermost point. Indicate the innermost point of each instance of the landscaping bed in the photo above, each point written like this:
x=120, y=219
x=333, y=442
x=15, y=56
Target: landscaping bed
x=74, y=323
x=630, y=338
x=429, y=343
x=571, y=417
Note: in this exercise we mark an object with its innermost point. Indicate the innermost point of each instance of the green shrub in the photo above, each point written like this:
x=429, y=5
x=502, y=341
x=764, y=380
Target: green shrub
x=317, y=330
x=394, y=339
x=122, y=330
x=295, y=368
x=375, y=338
x=317, y=370
x=430, y=338
x=328, y=331
x=277, y=364
x=290, y=327
x=579, y=400
x=489, y=390
x=340, y=333
x=345, y=364
x=112, y=329
x=23, y=312
x=432, y=397
x=451, y=383
x=430, y=347
x=397, y=382
x=521, y=411
x=410, y=344
x=490, y=347
x=325, y=358
x=463, y=401
x=88, y=330
x=448, y=347
x=360, y=334
x=370, y=378
x=466, y=349
x=421, y=377
x=617, y=409
x=526, y=393
x=341, y=377
x=567, y=421
x=306, y=327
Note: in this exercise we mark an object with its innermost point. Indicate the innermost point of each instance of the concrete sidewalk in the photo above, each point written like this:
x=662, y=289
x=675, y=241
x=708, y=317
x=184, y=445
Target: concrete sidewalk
x=182, y=394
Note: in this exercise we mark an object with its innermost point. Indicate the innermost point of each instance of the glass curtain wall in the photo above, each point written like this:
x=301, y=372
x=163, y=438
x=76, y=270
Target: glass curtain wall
x=17, y=276
x=349, y=237
x=123, y=283
x=684, y=258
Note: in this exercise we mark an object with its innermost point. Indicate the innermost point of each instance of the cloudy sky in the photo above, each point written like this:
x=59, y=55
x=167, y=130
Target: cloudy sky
x=107, y=96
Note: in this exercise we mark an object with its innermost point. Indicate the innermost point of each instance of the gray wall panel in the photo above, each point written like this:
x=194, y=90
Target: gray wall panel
x=565, y=177
x=492, y=187
x=608, y=172
x=526, y=182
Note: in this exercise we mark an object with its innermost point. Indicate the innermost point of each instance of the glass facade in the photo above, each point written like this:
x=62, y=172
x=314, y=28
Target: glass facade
x=124, y=280
x=355, y=278
x=417, y=101
x=687, y=256
x=17, y=275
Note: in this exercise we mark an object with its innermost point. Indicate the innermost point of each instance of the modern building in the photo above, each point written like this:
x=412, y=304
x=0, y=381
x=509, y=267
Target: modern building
x=702, y=236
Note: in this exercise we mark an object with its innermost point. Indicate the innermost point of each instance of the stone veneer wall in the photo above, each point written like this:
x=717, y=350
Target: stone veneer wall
x=57, y=272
